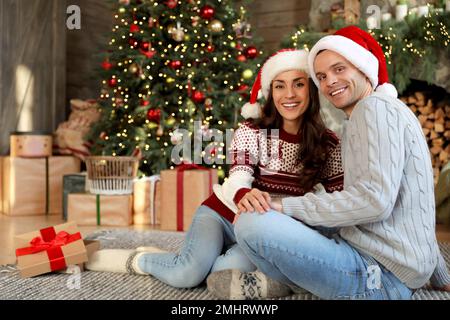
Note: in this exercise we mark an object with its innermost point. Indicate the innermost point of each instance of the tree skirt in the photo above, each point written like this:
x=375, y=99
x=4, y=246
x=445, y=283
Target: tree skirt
x=112, y=286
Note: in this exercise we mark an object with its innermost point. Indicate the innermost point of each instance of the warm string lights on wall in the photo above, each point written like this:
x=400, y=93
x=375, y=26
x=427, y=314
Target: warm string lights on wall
x=417, y=41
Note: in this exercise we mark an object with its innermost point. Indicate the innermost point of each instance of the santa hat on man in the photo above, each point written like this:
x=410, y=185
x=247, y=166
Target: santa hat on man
x=362, y=50
x=281, y=61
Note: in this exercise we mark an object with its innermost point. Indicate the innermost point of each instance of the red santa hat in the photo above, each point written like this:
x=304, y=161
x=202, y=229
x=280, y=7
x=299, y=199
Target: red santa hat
x=362, y=50
x=281, y=61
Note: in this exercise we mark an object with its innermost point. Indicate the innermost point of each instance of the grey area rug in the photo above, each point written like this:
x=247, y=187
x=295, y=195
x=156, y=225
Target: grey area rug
x=111, y=286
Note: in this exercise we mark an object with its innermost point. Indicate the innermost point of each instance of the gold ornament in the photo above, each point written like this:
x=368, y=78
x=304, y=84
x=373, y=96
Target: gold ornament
x=170, y=80
x=171, y=121
x=134, y=68
x=178, y=35
x=247, y=74
x=233, y=44
x=215, y=26
x=171, y=28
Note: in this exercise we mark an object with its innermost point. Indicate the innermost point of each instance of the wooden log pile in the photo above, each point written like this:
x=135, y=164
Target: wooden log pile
x=435, y=120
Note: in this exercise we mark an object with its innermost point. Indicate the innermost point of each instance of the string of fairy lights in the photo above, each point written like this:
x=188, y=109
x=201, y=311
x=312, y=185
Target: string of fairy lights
x=436, y=34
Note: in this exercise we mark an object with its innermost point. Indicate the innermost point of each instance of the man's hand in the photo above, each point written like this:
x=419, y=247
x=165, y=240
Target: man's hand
x=255, y=200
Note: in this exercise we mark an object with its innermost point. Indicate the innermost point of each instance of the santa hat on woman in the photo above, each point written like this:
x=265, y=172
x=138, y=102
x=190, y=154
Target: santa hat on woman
x=281, y=61
x=362, y=50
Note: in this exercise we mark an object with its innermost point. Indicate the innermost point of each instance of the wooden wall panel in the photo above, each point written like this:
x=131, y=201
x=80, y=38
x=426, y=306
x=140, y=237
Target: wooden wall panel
x=32, y=66
x=273, y=20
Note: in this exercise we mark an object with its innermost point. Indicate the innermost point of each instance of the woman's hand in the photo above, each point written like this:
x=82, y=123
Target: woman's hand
x=255, y=200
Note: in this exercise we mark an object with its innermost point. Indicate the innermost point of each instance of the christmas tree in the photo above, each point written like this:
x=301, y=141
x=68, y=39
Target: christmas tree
x=173, y=65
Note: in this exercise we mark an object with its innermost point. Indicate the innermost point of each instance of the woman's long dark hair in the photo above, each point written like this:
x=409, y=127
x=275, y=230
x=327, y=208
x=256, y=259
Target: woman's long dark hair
x=313, y=135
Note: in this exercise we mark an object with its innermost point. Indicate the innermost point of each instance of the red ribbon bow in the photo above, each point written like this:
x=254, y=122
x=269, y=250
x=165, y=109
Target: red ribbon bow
x=52, y=245
x=180, y=189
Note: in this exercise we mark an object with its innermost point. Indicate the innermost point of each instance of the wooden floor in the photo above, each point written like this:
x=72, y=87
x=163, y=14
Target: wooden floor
x=10, y=226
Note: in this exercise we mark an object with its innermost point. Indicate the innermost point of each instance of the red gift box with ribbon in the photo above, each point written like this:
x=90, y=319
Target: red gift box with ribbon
x=182, y=191
x=50, y=249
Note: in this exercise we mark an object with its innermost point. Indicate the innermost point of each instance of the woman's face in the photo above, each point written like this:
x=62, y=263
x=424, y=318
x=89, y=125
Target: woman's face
x=290, y=92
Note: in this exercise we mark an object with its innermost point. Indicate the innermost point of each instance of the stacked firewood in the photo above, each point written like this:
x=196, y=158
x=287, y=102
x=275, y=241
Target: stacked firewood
x=435, y=121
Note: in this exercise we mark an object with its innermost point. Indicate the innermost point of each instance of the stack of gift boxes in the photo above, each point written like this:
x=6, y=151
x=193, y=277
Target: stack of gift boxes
x=31, y=176
x=33, y=182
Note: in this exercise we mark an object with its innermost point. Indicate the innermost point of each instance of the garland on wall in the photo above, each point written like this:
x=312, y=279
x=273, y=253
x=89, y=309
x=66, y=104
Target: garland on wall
x=415, y=41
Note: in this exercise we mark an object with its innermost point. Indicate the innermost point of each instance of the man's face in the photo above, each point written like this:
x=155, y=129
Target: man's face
x=340, y=81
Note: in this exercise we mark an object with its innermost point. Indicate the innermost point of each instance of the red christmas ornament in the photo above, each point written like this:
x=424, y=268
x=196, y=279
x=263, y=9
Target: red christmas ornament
x=213, y=152
x=112, y=82
x=154, y=115
x=241, y=58
x=251, y=52
x=198, y=96
x=134, y=28
x=133, y=42
x=210, y=48
x=238, y=46
x=145, y=46
x=243, y=90
x=207, y=12
x=171, y=4
x=149, y=54
x=106, y=65
x=145, y=103
x=176, y=64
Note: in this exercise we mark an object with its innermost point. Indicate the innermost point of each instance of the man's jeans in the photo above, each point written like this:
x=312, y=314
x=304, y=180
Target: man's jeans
x=289, y=251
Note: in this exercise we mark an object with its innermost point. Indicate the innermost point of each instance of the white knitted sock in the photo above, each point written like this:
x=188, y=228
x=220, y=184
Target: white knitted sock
x=236, y=285
x=115, y=260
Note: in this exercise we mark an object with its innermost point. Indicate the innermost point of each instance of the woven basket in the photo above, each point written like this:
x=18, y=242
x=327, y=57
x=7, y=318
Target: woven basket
x=111, y=175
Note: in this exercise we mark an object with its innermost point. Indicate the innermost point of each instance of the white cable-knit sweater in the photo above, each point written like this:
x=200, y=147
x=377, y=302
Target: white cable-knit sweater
x=387, y=208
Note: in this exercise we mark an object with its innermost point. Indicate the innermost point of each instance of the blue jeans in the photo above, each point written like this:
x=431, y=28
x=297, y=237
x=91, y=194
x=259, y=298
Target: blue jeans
x=208, y=237
x=289, y=251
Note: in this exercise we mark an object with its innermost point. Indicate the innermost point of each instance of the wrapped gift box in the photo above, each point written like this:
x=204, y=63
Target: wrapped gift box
x=50, y=249
x=72, y=183
x=147, y=201
x=31, y=144
x=91, y=247
x=34, y=186
x=182, y=191
x=90, y=210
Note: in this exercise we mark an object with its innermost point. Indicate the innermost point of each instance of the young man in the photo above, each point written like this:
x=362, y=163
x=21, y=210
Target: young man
x=386, y=246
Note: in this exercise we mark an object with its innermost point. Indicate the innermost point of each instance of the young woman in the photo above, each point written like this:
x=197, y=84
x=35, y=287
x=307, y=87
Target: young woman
x=284, y=151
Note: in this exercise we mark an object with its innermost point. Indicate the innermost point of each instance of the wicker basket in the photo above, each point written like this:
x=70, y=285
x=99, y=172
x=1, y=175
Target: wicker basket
x=111, y=175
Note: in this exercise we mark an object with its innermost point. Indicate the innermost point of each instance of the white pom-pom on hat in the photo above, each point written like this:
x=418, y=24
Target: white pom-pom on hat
x=251, y=110
x=387, y=89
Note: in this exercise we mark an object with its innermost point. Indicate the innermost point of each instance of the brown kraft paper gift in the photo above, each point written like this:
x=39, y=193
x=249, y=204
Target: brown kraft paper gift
x=114, y=210
x=196, y=189
x=28, y=191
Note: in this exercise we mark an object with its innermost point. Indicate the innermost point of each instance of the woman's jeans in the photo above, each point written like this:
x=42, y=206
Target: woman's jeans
x=208, y=236
x=291, y=252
